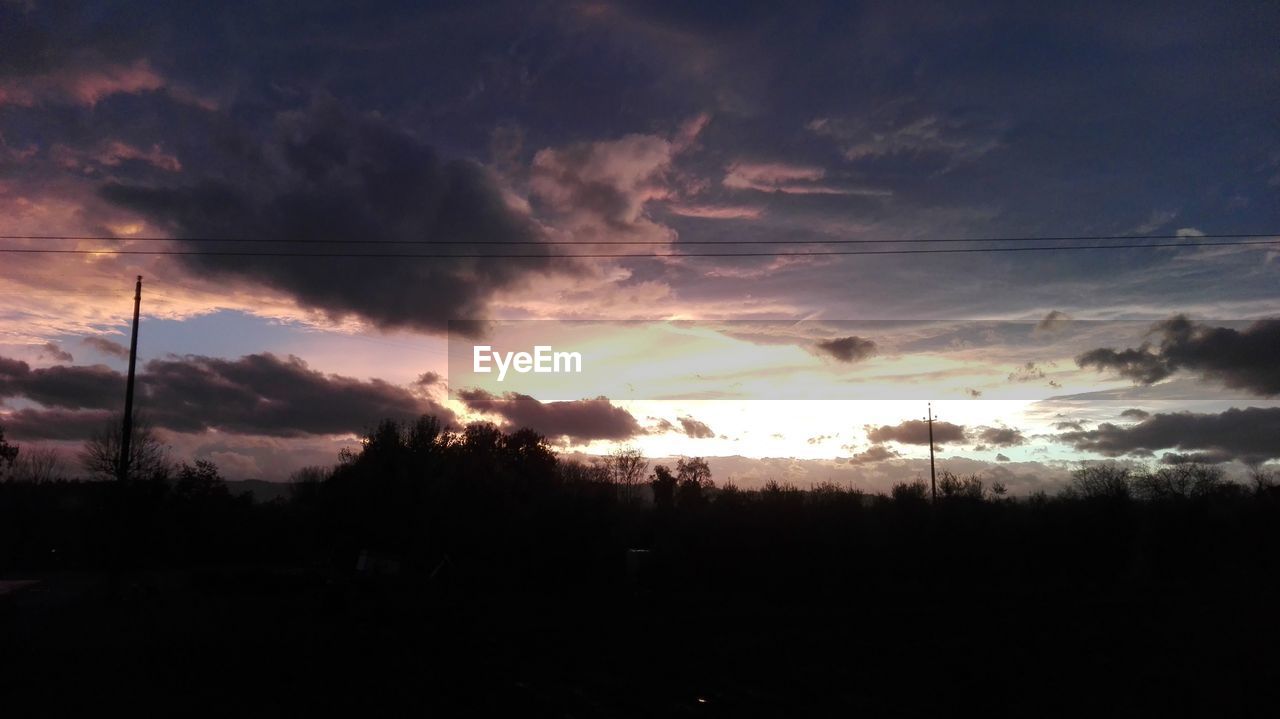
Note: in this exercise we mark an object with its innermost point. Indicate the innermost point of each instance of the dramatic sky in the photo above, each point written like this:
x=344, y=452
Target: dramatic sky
x=567, y=128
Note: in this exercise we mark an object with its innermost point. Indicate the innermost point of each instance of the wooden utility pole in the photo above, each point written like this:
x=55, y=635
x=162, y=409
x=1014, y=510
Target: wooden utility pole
x=128, y=393
x=933, y=477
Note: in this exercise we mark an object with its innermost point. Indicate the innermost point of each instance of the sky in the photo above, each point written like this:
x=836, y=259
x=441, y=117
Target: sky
x=332, y=129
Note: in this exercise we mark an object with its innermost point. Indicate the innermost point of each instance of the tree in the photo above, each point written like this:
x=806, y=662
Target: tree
x=8, y=452
x=531, y=458
x=627, y=466
x=200, y=482
x=148, y=457
x=1180, y=481
x=693, y=476
x=1262, y=478
x=954, y=487
x=1100, y=481
x=38, y=464
x=664, y=488
x=916, y=492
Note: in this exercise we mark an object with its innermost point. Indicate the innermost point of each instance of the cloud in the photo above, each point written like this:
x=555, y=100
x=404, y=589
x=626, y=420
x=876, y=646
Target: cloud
x=916, y=431
x=1157, y=219
x=115, y=152
x=327, y=174
x=53, y=351
x=428, y=379
x=787, y=179
x=599, y=190
x=580, y=420
x=1215, y=457
x=1001, y=458
x=256, y=394
x=80, y=84
x=874, y=453
x=69, y=387
x=847, y=349
x=1241, y=433
x=1028, y=372
x=55, y=424
x=106, y=347
x=1001, y=436
x=716, y=212
x=695, y=429
x=1236, y=359
x=1053, y=321
x=1135, y=414
x=893, y=132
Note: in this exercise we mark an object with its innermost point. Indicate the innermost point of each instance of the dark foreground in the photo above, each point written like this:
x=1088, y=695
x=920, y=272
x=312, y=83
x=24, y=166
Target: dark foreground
x=498, y=581
x=275, y=641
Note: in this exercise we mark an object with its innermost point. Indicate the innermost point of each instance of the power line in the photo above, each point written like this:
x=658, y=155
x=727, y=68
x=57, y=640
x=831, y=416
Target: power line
x=439, y=256
x=912, y=240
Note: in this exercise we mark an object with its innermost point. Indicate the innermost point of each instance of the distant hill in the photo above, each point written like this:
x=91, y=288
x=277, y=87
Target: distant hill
x=261, y=489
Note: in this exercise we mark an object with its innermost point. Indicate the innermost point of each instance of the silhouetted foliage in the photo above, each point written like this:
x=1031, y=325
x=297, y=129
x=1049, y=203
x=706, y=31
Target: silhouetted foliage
x=627, y=466
x=1101, y=481
x=907, y=493
x=664, y=488
x=693, y=478
x=956, y=488
x=8, y=453
x=148, y=457
x=38, y=464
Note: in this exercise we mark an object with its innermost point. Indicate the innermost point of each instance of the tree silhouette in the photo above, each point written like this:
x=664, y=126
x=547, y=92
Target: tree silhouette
x=1101, y=481
x=627, y=466
x=38, y=464
x=200, y=482
x=693, y=476
x=148, y=457
x=7, y=454
x=664, y=488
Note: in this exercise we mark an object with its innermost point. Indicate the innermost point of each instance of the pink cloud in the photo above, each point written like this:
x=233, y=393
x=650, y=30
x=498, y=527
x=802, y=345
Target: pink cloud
x=81, y=85
x=788, y=179
x=116, y=152
x=600, y=189
x=717, y=212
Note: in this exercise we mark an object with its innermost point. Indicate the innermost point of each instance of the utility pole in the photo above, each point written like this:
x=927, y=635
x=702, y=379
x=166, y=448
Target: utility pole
x=933, y=477
x=128, y=393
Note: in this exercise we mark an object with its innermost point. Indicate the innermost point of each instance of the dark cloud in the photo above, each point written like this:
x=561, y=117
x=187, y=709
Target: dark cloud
x=1078, y=426
x=256, y=394
x=428, y=379
x=1000, y=436
x=916, y=431
x=327, y=174
x=1237, y=359
x=69, y=387
x=583, y=420
x=53, y=351
x=1135, y=413
x=1001, y=458
x=847, y=349
x=1053, y=321
x=874, y=453
x=695, y=429
x=56, y=424
x=1196, y=457
x=106, y=347
x=1028, y=372
x=1241, y=433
